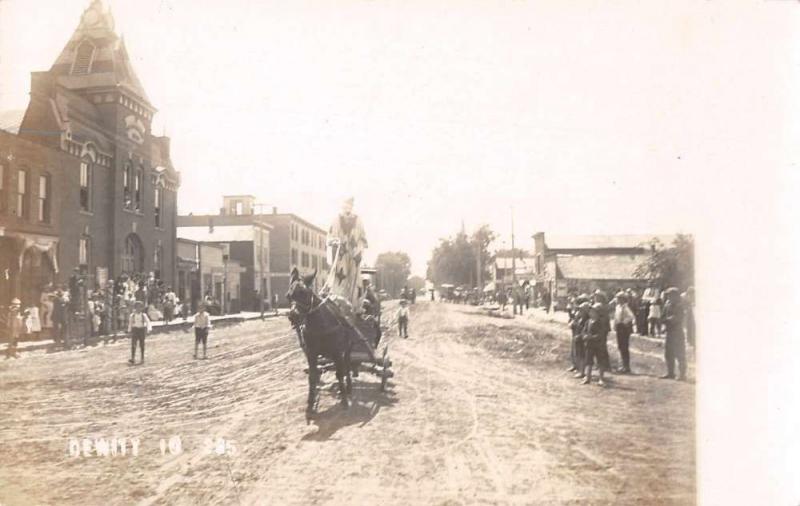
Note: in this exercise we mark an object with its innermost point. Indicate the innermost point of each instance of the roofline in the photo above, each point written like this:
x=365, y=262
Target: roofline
x=299, y=218
x=235, y=216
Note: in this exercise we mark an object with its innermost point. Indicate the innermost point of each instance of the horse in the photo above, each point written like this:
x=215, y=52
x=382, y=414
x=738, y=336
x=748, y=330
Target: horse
x=322, y=331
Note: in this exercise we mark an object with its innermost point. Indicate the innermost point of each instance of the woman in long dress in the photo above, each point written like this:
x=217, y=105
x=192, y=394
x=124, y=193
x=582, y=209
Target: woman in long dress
x=349, y=241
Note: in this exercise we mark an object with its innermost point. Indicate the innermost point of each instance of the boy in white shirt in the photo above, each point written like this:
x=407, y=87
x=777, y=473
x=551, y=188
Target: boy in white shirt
x=623, y=327
x=138, y=326
x=402, y=319
x=202, y=324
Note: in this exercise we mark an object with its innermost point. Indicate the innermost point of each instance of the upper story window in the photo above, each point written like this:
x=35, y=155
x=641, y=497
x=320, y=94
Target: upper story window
x=127, y=186
x=157, y=195
x=44, y=199
x=305, y=259
x=21, y=204
x=86, y=186
x=294, y=256
x=138, y=184
x=83, y=58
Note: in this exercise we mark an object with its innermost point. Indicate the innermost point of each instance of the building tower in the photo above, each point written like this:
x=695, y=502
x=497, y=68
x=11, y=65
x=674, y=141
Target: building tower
x=92, y=105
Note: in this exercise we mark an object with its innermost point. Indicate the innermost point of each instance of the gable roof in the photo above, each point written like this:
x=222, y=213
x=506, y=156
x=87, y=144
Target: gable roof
x=597, y=267
x=632, y=241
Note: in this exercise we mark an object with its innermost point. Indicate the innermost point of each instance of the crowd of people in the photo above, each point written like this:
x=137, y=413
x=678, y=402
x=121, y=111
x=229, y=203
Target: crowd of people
x=593, y=317
x=103, y=309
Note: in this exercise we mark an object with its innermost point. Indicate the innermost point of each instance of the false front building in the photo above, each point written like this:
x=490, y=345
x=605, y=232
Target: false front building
x=112, y=193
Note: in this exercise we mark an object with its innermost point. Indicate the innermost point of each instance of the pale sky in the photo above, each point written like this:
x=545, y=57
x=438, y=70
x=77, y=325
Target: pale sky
x=586, y=117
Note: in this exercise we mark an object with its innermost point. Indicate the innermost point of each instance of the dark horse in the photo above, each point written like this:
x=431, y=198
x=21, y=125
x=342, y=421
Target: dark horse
x=323, y=332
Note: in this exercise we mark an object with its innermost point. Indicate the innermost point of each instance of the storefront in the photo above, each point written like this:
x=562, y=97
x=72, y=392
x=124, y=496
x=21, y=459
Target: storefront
x=28, y=263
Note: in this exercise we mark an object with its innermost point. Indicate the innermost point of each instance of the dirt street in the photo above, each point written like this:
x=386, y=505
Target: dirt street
x=482, y=411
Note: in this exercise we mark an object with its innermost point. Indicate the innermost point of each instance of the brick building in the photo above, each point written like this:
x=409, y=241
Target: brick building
x=246, y=240
x=31, y=179
x=295, y=242
x=286, y=240
x=87, y=126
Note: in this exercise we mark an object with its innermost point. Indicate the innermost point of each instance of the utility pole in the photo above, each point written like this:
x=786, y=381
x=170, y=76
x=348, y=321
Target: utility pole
x=513, y=253
x=261, y=281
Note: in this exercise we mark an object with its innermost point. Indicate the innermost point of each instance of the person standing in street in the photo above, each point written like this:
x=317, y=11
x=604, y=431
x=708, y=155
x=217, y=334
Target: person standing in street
x=623, y=327
x=688, y=304
x=654, y=317
x=675, y=346
x=16, y=326
x=402, y=319
x=138, y=326
x=502, y=299
x=59, y=317
x=595, y=335
x=170, y=302
x=577, y=325
x=202, y=325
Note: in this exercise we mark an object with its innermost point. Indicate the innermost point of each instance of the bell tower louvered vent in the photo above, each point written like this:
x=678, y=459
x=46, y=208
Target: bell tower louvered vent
x=83, y=58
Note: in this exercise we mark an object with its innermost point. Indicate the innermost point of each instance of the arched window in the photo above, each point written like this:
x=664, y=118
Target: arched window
x=133, y=255
x=85, y=194
x=83, y=58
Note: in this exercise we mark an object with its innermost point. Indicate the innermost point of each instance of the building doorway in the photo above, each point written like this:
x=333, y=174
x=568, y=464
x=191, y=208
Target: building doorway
x=37, y=272
x=133, y=255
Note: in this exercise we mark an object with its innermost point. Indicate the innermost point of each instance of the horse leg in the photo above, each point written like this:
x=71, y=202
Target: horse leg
x=340, y=376
x=348, y=368
x=312, y=384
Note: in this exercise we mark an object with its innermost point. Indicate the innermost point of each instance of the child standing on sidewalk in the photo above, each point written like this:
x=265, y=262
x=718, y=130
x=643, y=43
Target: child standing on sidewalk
x=402, y=319
x=202, y=324
x=138, y=326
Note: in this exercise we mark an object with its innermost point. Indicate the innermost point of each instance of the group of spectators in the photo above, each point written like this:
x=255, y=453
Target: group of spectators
x=521, y=298
x=104, y=309
x=593, y=317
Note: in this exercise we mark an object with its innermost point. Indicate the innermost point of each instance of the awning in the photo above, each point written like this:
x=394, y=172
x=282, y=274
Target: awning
x=42, y=243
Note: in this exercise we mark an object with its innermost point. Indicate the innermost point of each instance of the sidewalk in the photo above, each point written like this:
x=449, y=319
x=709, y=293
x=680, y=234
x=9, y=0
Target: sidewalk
x=159, y=327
